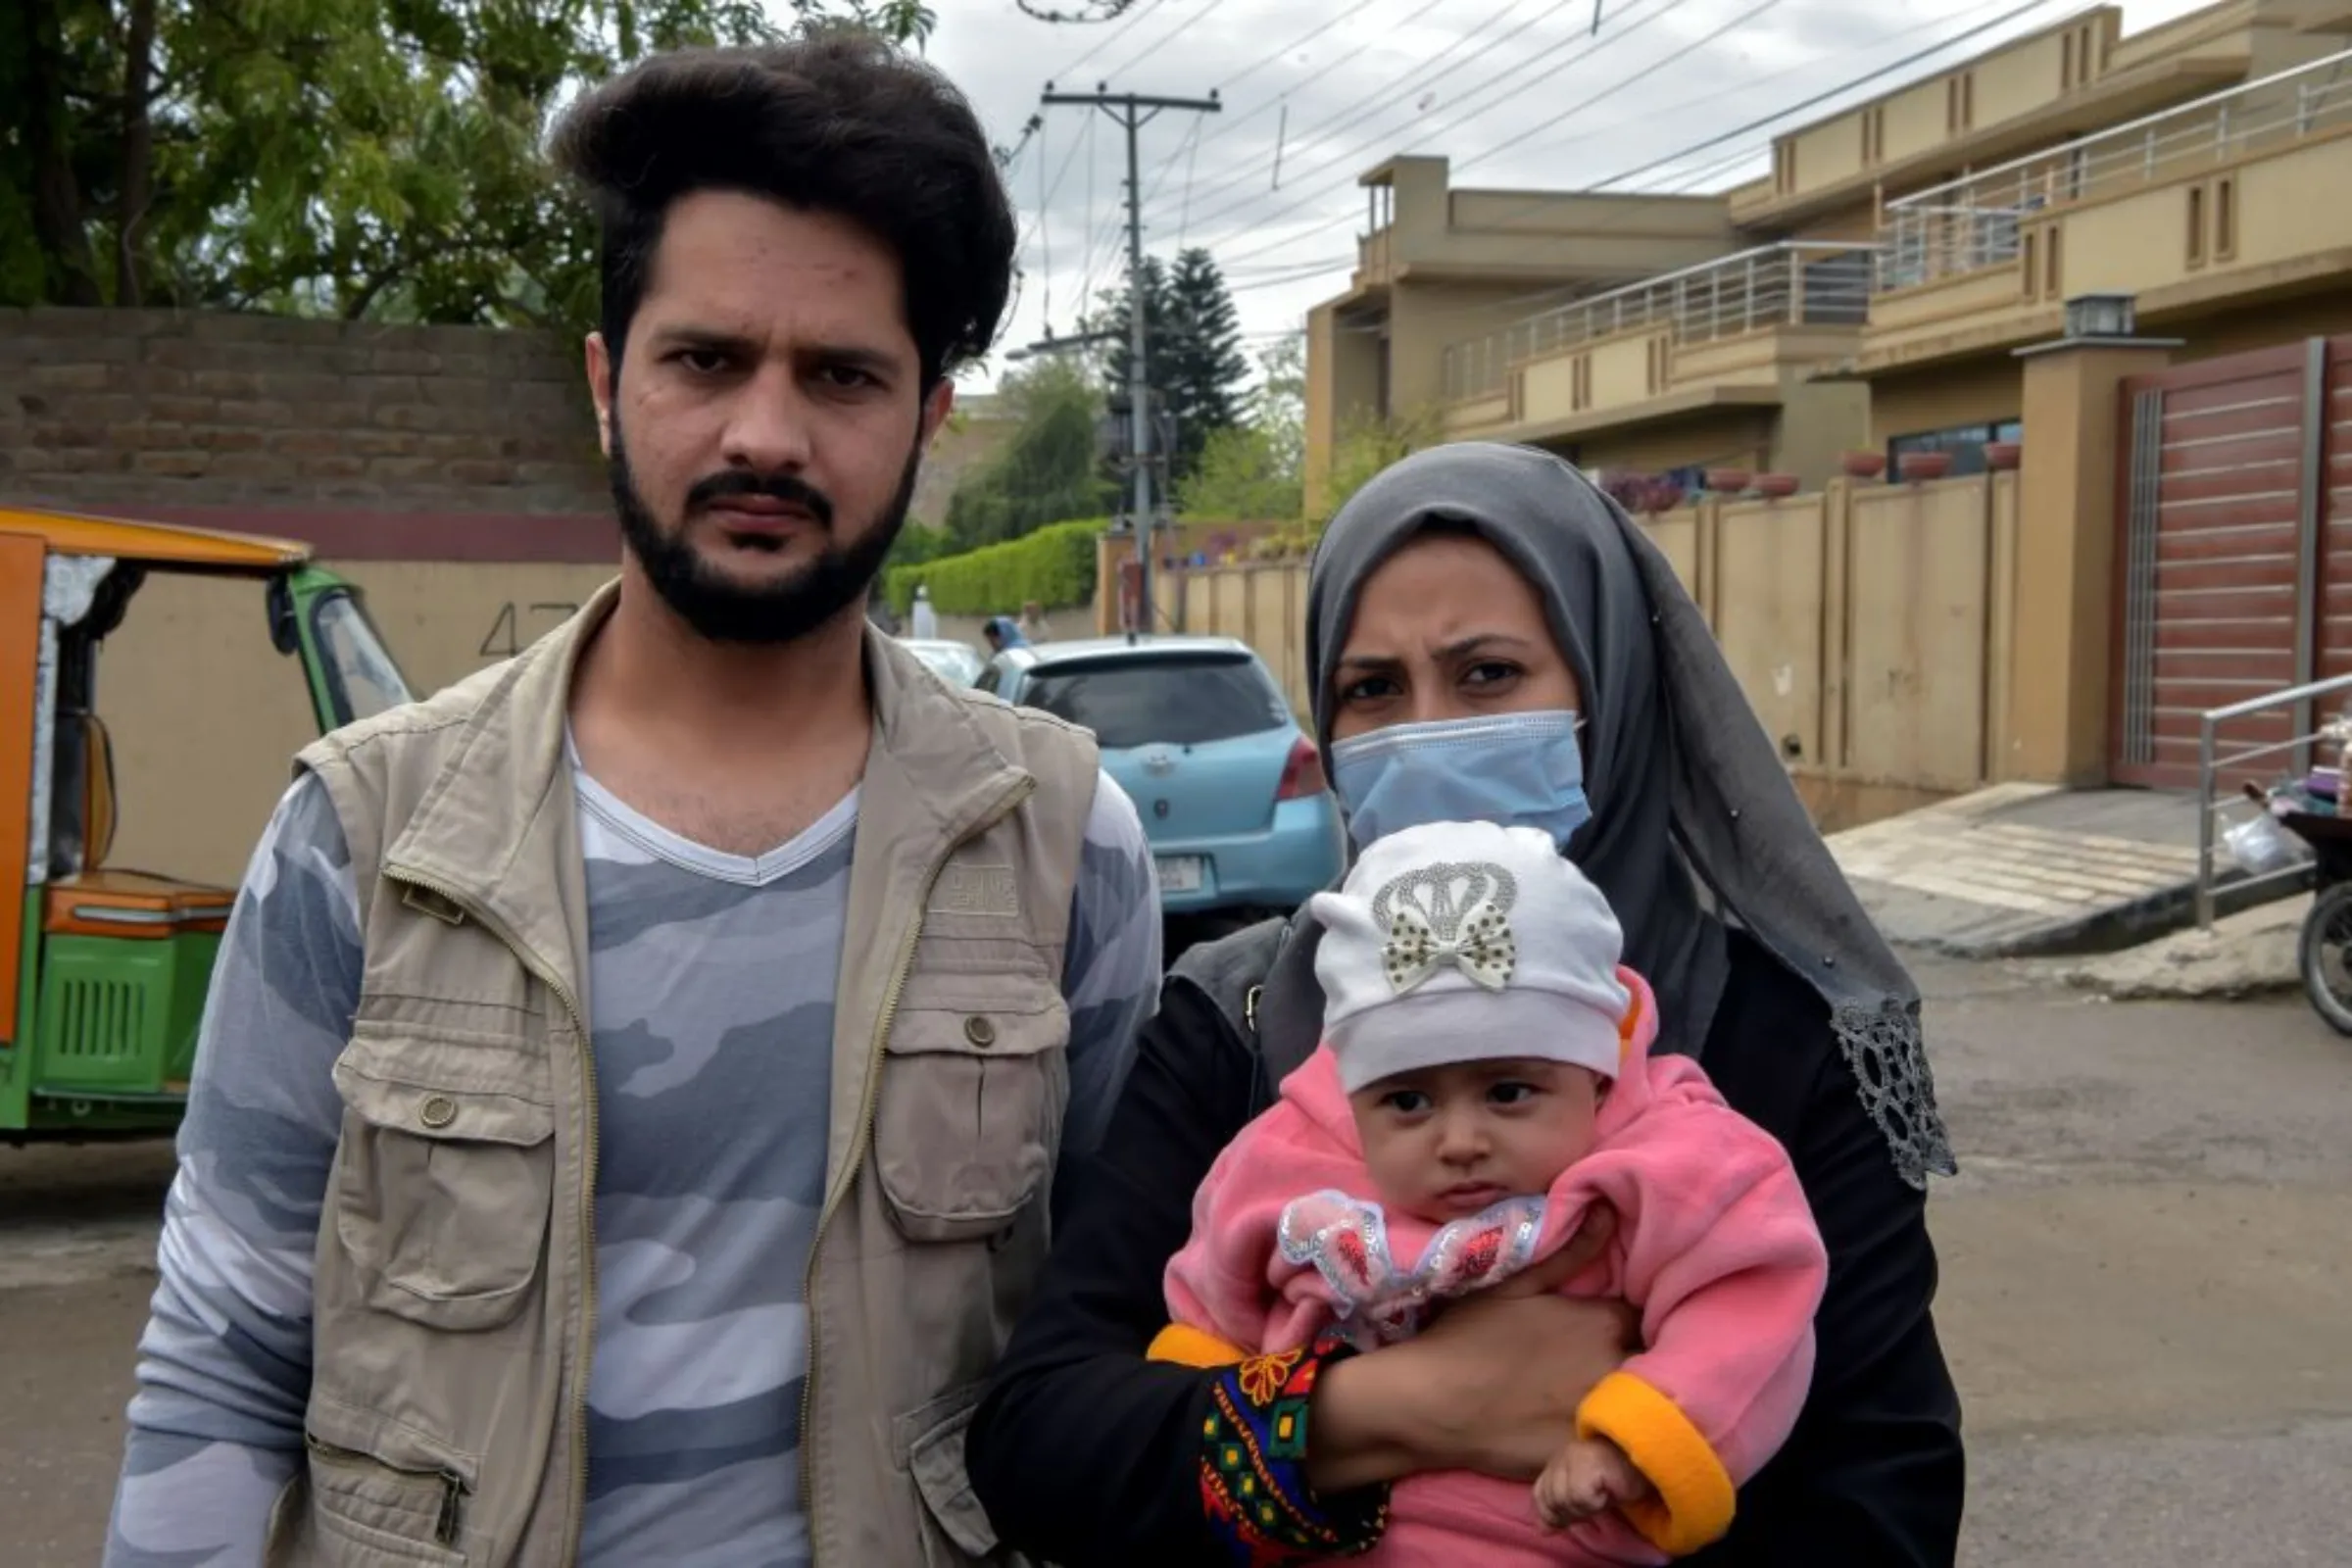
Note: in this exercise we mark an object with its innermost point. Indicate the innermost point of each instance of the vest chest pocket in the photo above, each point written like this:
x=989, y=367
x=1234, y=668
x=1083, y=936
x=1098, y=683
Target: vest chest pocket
x=445, y=1178
x=968, y=1116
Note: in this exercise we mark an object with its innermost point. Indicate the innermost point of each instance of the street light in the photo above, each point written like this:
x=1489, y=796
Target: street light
x=2101, y=316
x=1050, y=344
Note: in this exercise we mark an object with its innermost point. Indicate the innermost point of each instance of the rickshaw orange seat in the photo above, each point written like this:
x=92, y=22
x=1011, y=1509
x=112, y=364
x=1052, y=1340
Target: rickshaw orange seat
x=136, y=904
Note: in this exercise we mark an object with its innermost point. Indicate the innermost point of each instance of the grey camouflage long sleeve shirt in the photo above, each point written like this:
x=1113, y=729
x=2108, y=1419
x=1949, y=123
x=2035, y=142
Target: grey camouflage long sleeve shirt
x=710, y=995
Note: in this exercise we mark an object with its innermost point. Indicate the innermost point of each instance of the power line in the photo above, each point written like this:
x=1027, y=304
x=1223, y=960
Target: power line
x=1376, y=100
x=1819, y=98
x=1260, y=63
x=1183, y=218
x=1614, y=88
x=1144, y=53
x=1473, y=103
x=1620, y=84
x=1471, y=108
x=1850, y=85
x=1742, y=155
x=1188, y=152
x=1704, y=173
x=1134, y=20
x=1190, y=148
x=1371, y=41
x=1296, y=275
x=1105, y=235
x=1300, y=42
x=1038, y=220
x=1045, y=238
x=1086, y=270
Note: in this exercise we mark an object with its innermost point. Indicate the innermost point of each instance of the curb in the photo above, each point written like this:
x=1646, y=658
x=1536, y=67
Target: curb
x=2117, y=927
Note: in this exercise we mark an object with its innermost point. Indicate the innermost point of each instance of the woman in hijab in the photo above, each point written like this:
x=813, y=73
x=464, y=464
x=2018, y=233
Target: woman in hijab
x=1492, y=639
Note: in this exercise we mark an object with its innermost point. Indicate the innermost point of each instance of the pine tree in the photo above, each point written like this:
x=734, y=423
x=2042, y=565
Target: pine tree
x=1192, y=350
x=1205, y=368
x=1111, y=320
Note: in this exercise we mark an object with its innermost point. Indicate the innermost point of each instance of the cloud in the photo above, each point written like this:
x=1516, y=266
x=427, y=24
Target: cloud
x=1521, y=94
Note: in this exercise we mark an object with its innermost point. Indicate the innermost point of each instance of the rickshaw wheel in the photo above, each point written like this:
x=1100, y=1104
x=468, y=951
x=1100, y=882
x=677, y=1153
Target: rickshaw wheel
x=2327, y=935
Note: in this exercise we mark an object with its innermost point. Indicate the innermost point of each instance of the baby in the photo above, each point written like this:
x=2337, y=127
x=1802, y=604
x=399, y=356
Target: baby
x=1483, y=1078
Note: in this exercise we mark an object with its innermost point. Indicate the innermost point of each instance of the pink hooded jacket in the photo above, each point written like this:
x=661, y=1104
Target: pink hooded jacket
x=1715, y=1247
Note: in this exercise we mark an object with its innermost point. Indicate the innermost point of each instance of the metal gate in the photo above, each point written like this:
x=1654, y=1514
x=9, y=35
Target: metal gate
x=2333, y=476
x=2234, y=572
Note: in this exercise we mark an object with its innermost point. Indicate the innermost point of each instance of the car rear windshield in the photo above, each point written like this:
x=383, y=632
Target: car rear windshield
x=1163, y=700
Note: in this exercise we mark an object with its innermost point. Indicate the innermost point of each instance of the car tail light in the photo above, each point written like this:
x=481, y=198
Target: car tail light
x=1302, y=775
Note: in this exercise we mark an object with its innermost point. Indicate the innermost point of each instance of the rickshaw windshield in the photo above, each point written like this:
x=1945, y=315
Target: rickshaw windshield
x=360, y=678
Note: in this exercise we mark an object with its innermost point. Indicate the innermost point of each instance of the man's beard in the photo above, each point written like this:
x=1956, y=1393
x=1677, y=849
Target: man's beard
x=724, y=610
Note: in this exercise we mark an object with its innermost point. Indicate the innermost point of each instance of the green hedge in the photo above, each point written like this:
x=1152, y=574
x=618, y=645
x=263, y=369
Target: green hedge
x=1054, y=565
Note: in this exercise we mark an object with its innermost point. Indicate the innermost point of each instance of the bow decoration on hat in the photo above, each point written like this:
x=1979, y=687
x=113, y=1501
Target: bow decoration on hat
x=1448, y=915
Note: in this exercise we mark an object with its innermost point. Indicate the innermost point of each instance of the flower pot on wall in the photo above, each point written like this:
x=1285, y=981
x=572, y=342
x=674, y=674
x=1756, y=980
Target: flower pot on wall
x=1773, y=486
x=1916, y=468
x=2003, y=457
x=1727, y=481
x=1863, y=465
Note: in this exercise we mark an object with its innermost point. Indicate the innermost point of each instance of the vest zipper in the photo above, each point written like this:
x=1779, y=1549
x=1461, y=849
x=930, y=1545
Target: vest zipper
x=545, y=973
x=453, y=1485
x=855, y=1154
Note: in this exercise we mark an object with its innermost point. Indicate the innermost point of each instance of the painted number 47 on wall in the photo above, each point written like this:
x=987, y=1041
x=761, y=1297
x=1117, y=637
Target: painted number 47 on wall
x=508, y=636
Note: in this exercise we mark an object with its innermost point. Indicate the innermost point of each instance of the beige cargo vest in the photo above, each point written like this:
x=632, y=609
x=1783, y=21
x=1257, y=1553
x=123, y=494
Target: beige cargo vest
x=456, y=1287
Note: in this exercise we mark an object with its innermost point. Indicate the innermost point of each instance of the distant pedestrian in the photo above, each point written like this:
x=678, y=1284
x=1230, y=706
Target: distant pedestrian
x=926, y=620
x=1032, y=623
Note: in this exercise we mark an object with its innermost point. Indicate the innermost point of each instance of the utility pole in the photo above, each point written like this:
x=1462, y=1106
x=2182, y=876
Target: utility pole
x=1134, y=112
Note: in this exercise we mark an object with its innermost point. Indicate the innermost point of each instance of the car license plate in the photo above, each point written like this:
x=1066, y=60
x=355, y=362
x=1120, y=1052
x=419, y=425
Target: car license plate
x=1181, y=874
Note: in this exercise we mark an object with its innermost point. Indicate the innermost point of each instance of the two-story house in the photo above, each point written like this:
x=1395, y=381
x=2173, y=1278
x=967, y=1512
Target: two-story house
x=1868, y=292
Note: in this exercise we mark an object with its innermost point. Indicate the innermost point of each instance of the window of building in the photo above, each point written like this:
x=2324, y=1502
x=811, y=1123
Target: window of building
x=1965, y=442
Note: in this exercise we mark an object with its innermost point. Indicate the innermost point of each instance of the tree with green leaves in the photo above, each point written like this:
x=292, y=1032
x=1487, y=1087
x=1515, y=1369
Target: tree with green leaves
x=1252, y=471
x=1368, y=444
x=365, y=159
x=1051, y=470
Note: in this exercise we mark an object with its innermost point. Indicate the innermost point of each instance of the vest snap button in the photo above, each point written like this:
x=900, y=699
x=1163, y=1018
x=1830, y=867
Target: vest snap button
x=980, y=1032
x=438, y=1111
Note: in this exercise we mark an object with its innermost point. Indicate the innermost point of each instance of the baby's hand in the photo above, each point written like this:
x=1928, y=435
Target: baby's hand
x=1587, y=1479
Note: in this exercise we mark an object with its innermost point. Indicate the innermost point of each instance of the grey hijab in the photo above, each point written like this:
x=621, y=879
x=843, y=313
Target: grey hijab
x=1685, y=787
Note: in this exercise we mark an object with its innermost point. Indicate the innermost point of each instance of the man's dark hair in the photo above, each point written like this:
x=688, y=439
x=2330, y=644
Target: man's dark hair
x=839, y=123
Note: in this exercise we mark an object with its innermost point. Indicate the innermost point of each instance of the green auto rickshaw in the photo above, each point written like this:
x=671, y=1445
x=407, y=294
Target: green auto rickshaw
x=103, y=970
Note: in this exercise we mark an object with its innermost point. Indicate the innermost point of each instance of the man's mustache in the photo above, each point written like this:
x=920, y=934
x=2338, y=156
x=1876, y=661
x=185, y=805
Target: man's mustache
x=735, y=486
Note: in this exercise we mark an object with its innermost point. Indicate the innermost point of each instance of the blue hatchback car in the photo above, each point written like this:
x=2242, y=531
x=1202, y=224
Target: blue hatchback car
x=1198, y=733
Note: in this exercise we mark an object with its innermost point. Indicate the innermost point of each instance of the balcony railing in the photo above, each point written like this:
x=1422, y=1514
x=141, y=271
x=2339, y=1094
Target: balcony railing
x=1973, y=223
x=1795, y=283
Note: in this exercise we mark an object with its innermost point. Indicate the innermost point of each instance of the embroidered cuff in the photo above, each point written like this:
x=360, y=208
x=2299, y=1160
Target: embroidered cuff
x=1253, y=1466
x=1187, y=1345
x=1695, y=1498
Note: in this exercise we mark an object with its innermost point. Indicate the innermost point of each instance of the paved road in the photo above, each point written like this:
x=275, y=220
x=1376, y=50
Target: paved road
x=2147, y=1297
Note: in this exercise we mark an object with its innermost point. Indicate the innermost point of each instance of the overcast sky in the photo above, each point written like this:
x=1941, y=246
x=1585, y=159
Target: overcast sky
x=1520, y=94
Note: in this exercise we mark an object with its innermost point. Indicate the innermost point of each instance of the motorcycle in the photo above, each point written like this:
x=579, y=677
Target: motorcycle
x=2324, y=949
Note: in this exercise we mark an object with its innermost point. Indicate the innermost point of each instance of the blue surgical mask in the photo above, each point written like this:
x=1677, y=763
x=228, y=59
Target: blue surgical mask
x=1511, y=769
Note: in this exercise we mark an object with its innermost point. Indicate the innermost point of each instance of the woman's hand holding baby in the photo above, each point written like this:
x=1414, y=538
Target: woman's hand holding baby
x=1492, y=1385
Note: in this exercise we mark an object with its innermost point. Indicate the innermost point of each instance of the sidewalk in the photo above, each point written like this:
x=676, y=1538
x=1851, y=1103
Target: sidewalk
x=2244, y=955
x=2021, y=870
